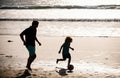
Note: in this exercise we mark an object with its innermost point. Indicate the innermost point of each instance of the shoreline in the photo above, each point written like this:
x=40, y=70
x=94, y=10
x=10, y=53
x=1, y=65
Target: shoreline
x=49, y=69
x=92, y=58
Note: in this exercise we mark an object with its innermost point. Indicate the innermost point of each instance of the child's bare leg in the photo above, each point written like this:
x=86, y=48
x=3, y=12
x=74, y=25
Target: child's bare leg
x=69, y=60
x=60, y=60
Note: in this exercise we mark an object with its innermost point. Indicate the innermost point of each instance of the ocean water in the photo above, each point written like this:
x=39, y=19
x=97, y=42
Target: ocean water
x=64, y=28
x=61, y=17
x=60, y=3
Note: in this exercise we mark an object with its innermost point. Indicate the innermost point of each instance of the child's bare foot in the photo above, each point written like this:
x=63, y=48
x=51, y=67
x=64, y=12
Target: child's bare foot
x=57, y=61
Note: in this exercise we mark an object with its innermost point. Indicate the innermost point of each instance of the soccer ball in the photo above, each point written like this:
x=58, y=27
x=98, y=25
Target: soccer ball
x=70, y=67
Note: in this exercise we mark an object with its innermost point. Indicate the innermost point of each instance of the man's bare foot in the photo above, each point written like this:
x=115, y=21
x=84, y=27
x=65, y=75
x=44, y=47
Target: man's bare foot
x=29, y=68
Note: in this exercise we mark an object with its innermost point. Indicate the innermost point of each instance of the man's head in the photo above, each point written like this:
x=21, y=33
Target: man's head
x=35, y=24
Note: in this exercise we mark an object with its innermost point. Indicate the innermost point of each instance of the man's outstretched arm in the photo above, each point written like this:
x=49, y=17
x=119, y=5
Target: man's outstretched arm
x=22, y=37
x=38, y=41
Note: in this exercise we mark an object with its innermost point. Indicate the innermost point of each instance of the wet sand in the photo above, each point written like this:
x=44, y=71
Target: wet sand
x=93, y=57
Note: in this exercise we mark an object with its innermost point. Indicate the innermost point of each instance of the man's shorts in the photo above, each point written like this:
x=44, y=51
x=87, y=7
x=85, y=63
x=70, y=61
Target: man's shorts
x=31, y=50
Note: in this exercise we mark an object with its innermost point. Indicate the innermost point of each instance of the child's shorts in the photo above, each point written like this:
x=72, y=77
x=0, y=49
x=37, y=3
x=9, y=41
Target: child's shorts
x=65, y=56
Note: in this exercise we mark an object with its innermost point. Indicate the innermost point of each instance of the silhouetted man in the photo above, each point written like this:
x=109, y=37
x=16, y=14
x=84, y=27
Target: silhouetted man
x=28, y=36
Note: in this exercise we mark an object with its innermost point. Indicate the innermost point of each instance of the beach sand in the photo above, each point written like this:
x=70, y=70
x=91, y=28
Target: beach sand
x=93, y=57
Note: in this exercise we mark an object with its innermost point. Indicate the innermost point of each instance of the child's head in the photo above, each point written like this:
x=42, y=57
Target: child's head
x=68, y=39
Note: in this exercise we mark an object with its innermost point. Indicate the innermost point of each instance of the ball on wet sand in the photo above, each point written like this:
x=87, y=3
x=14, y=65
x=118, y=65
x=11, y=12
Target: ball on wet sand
x=70, y=67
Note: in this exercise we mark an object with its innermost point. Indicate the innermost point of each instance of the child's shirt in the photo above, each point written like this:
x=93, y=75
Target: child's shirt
x=66, y=48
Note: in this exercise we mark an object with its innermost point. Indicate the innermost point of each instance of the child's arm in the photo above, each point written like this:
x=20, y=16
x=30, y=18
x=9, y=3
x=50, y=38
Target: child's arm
x=71, y=48
x=60, y=49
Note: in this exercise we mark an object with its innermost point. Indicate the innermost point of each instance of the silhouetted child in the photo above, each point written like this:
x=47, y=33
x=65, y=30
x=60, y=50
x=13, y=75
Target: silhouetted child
x=65, y=50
